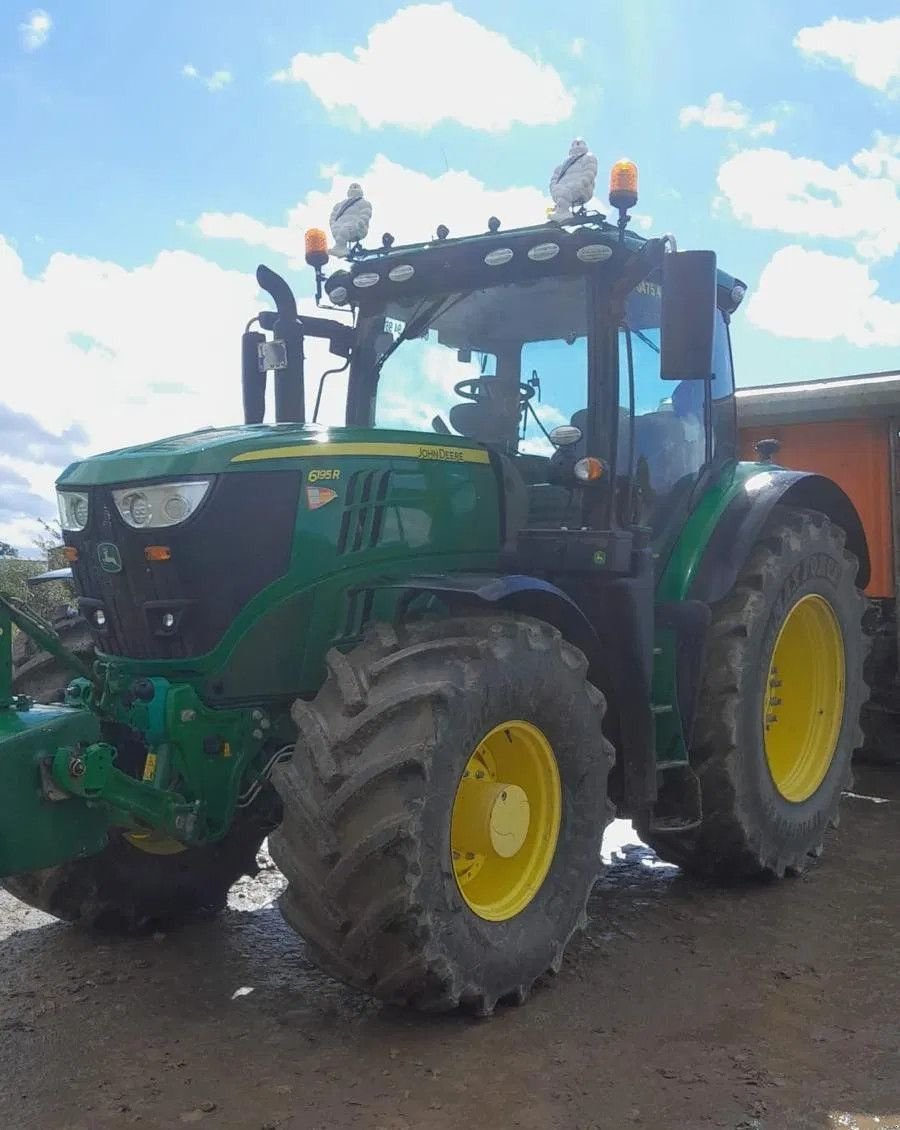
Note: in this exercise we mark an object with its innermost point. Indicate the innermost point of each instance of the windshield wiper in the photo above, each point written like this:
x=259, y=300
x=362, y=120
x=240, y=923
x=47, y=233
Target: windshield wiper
x=420, y=322
x=642, y=336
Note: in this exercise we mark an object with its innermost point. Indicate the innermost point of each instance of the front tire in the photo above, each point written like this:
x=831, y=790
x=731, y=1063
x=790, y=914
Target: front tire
x=444, y=811
x=126, y=889
x=778, y=716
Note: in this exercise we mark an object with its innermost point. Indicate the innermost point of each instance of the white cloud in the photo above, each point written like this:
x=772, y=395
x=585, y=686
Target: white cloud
x=869, y=49
x=768, y=188
x=429, y=63
x=35, y=29
x=406, y=203
x=819, y=297
x=883, y=159
x=720, y=112
x=125, y=355
x=218, y=80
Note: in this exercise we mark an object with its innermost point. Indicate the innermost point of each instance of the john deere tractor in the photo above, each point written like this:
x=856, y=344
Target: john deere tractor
x=430, y=653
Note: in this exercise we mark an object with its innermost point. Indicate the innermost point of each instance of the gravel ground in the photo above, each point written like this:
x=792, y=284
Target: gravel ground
x=684, y=1006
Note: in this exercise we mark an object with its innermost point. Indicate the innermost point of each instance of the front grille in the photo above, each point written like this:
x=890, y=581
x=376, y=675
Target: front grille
x=238, y=542
x=364, y=508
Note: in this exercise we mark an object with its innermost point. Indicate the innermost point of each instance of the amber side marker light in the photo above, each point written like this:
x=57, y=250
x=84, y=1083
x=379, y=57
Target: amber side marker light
x=70, y=553
x=588, y=470
x=157, y=553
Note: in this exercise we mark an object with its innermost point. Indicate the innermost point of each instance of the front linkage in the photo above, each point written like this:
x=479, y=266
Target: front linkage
x=140, y=754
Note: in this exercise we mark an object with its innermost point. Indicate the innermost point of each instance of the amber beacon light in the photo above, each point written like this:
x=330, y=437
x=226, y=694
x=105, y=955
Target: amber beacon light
x=623, y=185
x=316, y=246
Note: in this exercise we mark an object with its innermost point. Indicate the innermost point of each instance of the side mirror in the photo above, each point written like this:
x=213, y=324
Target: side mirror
x=688, y=315
x=341, y=340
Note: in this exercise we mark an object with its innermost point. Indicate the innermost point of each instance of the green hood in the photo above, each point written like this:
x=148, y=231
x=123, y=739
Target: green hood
x=245, y=447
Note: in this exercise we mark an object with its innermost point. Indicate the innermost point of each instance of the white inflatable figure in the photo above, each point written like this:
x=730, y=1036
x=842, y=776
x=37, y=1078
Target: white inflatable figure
x=572, y=184
x=350, y=220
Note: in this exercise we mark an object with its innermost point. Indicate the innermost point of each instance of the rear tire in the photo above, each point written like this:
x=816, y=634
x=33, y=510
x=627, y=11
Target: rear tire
x=760, y=818
x=371, y=803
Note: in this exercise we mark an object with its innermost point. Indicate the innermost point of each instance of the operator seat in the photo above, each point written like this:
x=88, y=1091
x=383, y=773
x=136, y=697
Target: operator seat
x=672, y=443
x=477, y=420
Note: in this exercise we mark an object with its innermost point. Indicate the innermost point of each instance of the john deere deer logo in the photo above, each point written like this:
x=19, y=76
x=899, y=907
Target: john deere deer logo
x=109, y=557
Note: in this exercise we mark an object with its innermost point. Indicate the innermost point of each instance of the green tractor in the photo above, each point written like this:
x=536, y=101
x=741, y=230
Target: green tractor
x=406, y=648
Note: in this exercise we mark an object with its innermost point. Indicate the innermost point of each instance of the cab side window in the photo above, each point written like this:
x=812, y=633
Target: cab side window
x=669, y=445
x=724, y=424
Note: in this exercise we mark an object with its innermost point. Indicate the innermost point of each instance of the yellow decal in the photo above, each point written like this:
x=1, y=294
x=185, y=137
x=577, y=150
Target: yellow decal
x=443, y=454
x=394, y=450
x=150, y=767
x=320, y=474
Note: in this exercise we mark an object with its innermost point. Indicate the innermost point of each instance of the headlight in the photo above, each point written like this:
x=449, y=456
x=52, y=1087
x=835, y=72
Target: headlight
x=162, y=504
x=73, y=509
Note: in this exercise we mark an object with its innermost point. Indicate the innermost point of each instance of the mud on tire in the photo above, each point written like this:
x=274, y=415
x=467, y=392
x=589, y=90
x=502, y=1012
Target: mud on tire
x=365, y=840
x=748, y=828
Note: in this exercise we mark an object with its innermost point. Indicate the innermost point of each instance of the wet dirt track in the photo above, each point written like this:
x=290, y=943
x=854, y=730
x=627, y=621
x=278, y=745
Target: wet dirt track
x=765, y=1008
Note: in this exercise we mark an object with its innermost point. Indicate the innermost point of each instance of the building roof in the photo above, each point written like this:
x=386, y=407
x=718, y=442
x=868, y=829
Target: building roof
x=858, y=397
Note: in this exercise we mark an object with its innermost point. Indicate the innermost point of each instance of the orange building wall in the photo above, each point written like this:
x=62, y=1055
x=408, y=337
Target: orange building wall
x=856, y=455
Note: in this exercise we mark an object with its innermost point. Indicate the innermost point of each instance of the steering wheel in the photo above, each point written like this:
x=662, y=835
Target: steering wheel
x=474, y=388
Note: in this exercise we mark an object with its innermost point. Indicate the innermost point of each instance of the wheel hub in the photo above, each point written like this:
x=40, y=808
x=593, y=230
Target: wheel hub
x=497, y=817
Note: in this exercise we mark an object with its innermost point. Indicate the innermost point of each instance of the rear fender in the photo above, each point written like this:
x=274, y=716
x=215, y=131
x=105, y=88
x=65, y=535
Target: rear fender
x=742, y=522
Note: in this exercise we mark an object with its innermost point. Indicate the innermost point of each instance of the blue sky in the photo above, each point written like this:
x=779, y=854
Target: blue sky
x=155, y=152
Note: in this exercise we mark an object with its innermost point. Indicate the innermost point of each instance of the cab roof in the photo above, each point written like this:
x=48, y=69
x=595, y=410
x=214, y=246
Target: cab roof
x=502, y=256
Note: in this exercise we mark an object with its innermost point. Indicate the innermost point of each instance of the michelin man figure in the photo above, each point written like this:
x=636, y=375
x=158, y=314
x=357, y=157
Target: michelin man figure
x=572, y=184
x=350, y=220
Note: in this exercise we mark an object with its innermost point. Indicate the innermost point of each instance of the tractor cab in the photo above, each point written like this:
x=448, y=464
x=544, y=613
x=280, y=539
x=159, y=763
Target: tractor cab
x=546, y=346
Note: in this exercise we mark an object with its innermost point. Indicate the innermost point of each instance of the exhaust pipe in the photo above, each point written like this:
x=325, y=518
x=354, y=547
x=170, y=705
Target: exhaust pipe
x=290, y=401
x=253, y=379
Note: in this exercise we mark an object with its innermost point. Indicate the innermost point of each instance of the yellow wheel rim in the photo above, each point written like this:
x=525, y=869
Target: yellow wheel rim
x=505, y=821
x=803, y=702
x=154, y=843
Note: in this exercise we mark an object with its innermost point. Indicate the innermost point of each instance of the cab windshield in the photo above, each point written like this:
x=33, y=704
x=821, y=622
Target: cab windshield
x=503, y=365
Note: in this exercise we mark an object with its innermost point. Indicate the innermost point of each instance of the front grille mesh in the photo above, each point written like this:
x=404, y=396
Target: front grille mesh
x=364, y=509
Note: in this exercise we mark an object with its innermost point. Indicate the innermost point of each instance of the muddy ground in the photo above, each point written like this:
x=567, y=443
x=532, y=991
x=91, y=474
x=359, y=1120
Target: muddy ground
x=764, y=1008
